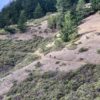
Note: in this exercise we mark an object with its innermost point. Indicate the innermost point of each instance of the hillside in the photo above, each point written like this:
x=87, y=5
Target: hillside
x=71, y=57
x=49, y=50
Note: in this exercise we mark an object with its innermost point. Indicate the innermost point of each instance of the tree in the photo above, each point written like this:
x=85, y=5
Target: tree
x=80, y=8
x=38, y=11
x=48, y=5
x=65, y=5
x=2, y=21
x=21, y=22
x=95, y=4
x=69, y=29
x=80, y=5
x=12, y=11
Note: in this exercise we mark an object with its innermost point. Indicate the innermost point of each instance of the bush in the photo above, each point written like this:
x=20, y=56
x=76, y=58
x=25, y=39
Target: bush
x=52, y=22
x=98, y=51
x=38, y=64
x=10, y=30
x=83, y=50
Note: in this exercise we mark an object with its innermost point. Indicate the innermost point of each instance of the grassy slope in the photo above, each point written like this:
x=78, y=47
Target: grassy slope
x=83, y=84
x=21, y=53
x=14, y=52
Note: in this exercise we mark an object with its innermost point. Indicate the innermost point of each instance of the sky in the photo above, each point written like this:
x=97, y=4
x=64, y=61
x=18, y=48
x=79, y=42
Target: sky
x=4, y=3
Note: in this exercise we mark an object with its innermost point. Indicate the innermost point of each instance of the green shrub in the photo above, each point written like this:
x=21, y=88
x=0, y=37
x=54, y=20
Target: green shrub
x=52, y=22
x=10, y=30
x=83, y=50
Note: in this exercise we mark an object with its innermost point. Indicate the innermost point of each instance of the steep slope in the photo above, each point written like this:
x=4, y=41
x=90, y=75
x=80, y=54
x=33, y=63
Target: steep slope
x=86, y=50
x=83, y=84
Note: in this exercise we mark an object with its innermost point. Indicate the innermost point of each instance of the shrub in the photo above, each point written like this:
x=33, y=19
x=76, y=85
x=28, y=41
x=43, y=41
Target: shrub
x=83, y=50
x=38, y=64
x=98, y=51
x=10, y=30
x=57, y=62
x=52, y=22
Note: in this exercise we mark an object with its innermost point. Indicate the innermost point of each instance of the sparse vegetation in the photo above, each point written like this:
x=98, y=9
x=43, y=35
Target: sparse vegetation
x=38, y=64
x=17, y=53
x=81, y=50
x=83, y=83
x=72, y=46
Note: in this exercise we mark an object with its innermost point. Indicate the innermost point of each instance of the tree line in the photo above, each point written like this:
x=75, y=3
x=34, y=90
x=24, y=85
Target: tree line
x=71, y=13
x=12, y=13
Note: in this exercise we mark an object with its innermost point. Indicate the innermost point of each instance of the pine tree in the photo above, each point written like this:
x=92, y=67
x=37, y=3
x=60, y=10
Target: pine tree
x=63, y=5
x=66, y=5
x=38, y=11
x=80, y=5
x=95, y=4
x=69, y=29
x=2, y=21
x=21, y=22
x=80, y=8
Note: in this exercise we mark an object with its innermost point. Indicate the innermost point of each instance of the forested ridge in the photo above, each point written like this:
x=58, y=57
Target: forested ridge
x=32, y=9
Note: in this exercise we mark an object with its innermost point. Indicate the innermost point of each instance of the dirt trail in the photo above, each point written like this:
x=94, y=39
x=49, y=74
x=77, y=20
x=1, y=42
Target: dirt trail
x=65, y=59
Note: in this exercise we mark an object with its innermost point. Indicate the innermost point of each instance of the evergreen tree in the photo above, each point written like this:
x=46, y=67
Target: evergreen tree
x=65, y=5
x=2, y=21
x=95, y=4
x=80, y=8
x=38, y=11
x=21, y=22
x=12, y=12
x=69, y=29
x=80, y=5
